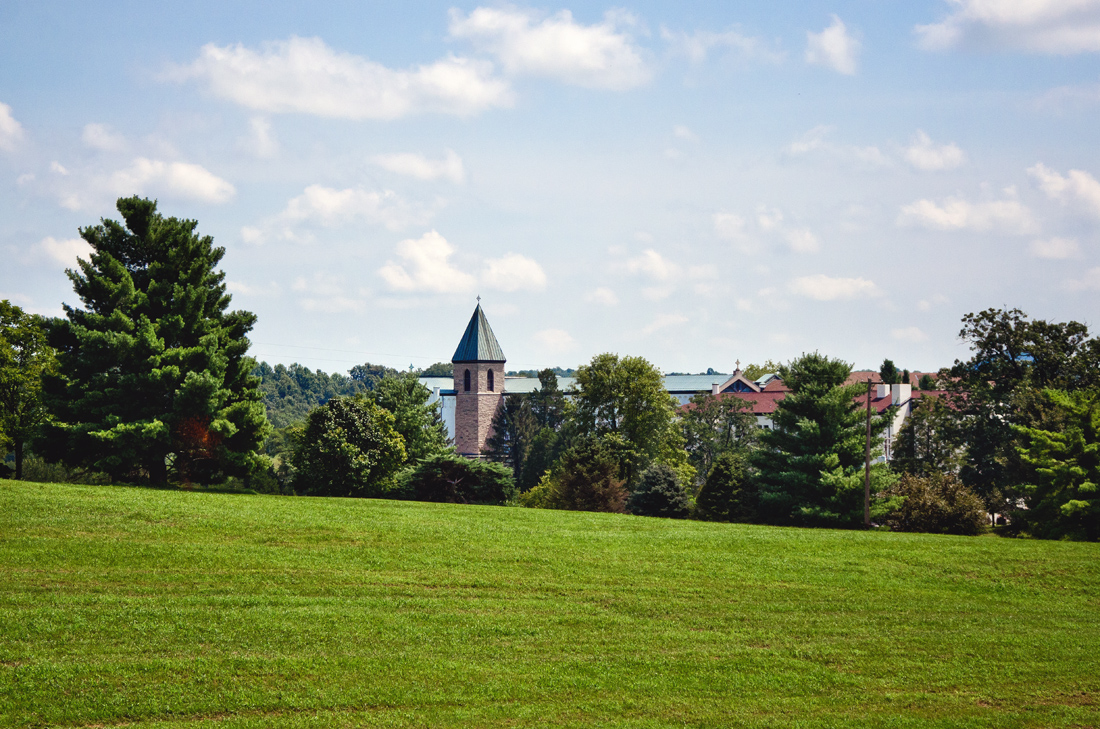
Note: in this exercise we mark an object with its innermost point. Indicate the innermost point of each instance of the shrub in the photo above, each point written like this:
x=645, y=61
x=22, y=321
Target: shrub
x=586, y=478
x=454, y=479
x=726, y=495
x=937, y=504
x=660, y=493
x=348, y=448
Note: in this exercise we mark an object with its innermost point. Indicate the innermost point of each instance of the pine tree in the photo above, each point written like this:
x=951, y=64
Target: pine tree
x=809, y=466
x=153, y=369
x=726, y=495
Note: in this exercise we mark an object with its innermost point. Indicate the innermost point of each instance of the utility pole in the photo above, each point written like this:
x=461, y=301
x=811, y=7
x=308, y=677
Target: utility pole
x=867, y=465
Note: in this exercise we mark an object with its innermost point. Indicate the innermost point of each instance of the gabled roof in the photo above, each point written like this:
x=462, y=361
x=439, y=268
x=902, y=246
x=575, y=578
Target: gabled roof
x=737, y=382
x=478, y=344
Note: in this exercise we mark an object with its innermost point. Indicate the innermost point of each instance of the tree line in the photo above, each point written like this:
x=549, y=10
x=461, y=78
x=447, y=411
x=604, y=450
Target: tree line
x=149, y=380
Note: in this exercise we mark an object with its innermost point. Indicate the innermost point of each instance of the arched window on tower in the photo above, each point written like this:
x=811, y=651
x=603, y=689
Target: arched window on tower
x=466, y=381
x=490, y=374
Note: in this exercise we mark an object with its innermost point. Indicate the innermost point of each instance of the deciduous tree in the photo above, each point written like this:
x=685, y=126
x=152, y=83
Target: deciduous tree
x=25, y=357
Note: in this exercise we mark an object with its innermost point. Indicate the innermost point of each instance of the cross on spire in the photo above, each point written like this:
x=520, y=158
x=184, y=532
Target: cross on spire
x=738, y=363
x=479, y=298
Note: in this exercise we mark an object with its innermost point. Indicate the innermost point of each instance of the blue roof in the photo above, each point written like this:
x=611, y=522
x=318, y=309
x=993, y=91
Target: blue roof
x=478, y=344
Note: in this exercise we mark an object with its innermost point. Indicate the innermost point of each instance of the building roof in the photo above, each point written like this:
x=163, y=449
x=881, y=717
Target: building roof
x=478, y=344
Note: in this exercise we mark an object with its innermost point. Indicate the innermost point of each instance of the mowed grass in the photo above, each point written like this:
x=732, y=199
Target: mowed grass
x=134, y=607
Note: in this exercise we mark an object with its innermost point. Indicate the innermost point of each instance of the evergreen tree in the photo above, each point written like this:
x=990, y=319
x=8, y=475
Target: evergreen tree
x=586, y=478
x=454, y=479
x=659, y=493
x=809, y=468
x=24, y=358
x=153, y=369
x=928, y=442
x=727, y=494
x=513, y=429
x=889, y=372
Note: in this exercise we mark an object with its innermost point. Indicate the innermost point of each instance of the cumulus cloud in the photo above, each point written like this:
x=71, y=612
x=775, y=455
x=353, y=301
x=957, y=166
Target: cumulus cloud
x=513, y=272
x=909, y=334
x=555, y=340
x=803, y=240
x=425, y=267
x=827, y=288
x=1090, y=281
x=261, y=141
x=602, y=55
x=1059, y=27
x=305, y=76
x=102, y=137
x=924, y=154
x=833, y=48
x=1055, y=248
x=330, y=207
x=696, y=46
x=816, y=141
x=1005, y=216
x=1077, y=187
x=422, y=168
x=729, y=226
x=652, y=264
x=64, y=251
x=11, y=131
x=603, y=296
x=184, y=179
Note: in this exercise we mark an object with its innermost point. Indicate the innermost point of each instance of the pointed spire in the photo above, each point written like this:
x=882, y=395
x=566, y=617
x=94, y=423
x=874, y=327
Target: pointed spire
x=478, y=344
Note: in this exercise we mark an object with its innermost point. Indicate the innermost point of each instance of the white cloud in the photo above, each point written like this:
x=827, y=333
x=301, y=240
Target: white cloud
x=326, y=293
x=936, y=300
x=1005, y=216
x=64, y=251
x=1090, y=281
x=58, y=168
x=102, y=137
x=654, y=265
x=422, y=168
x=555, y=340
x=11, y=131
x=682, y=132
x=663, y=321
x=729, y=226
x=1059, y=27
x=261, y=140
x=602, y=296
x=924, y=154
x=176, y=178
x=1077, y=186
x=303, y=75
x=513, y=272
x=909, y=334
x=803, y=240
x=1055, y=248
x=833, y=48
x=596, y=56
x=696, y=46
x=246, y=289
x=330, y=207
x=426, y=267
x=827, y=288
x=815, y=141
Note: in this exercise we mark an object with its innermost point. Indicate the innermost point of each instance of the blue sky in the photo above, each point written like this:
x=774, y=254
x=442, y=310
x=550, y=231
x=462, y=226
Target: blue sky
x=695, y=183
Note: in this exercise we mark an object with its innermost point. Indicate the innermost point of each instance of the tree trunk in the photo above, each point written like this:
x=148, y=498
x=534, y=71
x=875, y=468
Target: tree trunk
x=18, y=459
x=158, y=471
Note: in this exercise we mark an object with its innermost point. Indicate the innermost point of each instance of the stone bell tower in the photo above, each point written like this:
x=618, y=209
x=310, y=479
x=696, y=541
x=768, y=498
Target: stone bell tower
x=479, y=384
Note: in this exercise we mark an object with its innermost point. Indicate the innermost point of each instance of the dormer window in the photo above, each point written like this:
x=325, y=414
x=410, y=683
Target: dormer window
x=490, y=374
x=466, y=381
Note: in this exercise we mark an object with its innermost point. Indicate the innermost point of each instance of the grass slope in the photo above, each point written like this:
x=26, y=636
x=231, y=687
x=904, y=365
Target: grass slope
x=122, y=606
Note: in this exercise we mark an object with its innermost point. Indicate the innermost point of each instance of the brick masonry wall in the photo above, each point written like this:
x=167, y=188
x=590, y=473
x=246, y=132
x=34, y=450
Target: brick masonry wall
x=474, y=410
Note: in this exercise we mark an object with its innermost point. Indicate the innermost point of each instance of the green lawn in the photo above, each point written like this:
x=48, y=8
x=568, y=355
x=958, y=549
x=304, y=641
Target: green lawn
x=124, y=606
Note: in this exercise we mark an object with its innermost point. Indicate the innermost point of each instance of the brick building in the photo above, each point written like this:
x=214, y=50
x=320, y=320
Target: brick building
x=479, y=385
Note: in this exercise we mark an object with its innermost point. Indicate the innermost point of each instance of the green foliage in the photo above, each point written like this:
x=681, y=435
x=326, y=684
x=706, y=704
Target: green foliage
x=936, y=503
x=755, y=372
x=439, y=369
x=25, y=357
x=349, y=447
x=419, y=423
x=153, y=368
x=927, y=382
x=728, y=493
x=513, y=429
x=889, y=372
x=290, y=393
x=627, y=397
x=808, y=464
x=369, y=375
x=995, y=391
x=929, y=440
x=1063, y=492
x=659, y=493
x=452, y=478
x=586, y=478
x=714, y=425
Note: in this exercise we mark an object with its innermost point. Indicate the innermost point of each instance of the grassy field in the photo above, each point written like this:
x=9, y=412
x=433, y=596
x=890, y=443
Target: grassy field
x=134, y=607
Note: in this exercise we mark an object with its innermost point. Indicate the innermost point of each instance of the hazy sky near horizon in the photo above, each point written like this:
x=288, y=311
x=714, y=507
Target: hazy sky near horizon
x=692, y=182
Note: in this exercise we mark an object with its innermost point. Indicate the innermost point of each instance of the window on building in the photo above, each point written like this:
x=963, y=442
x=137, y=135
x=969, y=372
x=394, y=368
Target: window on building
x=466, y=381
x=490, y=377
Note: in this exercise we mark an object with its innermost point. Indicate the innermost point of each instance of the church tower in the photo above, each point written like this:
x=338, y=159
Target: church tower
x=479, y=384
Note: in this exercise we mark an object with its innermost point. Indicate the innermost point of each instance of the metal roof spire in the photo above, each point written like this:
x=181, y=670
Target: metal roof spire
x=478, y=343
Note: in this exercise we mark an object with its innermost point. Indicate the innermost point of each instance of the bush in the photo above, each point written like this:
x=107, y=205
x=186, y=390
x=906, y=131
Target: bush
x=586, y=478
x=937, y=504
x=349, y=448
x=726, y=495
x=660, y=493
x=454, y=479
